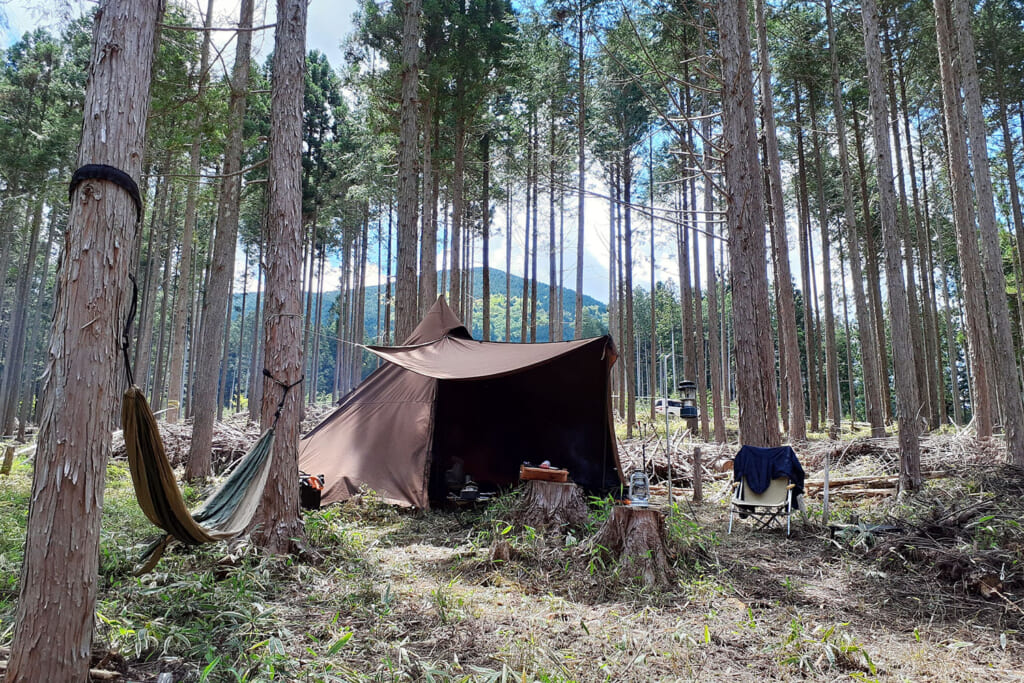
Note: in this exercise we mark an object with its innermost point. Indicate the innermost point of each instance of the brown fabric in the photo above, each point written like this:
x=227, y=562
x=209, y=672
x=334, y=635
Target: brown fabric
x=453, y=358
x=444, y=398
x=226, y=513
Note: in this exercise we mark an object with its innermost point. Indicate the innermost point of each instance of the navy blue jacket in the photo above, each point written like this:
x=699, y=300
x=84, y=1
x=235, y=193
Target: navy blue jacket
x=761, y=465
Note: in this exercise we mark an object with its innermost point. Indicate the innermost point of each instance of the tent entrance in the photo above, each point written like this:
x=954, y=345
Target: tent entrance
x=486, y=428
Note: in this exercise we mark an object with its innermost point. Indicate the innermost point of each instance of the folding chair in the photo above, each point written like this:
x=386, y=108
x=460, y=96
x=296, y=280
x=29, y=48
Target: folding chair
x=764, y=508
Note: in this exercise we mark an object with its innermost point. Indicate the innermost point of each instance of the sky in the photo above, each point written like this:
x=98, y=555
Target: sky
x=329, y=22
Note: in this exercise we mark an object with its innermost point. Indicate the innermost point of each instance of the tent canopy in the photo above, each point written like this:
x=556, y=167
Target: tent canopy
x=444, y=403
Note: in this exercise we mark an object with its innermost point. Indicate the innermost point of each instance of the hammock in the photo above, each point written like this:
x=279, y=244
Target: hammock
x=226, y=513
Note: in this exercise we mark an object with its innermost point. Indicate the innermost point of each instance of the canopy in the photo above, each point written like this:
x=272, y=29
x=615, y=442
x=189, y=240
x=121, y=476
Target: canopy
x=445, y=403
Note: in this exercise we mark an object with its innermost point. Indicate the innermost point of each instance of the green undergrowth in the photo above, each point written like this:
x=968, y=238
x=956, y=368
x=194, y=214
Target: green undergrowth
x=385, y=594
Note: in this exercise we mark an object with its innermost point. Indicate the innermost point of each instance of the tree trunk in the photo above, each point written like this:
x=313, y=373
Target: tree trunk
x=698, y=314
x=689, y=364
x=428, y=231
x=241, y=331
x=255, y=390
x=37, y=340
x=929, y=275
x=903, y=350
x=831, y=354
x=613, y=289
x=277, y=520
x=581, y=166
x=485, y=246
x=804, y=222
x=653, y=348
x=388, y=336
x=508, y=261
x=868, y=340
x=636, y=538
x=1011, y=177
x=790, y=350
x=951, y=352
x=458, y=214
x=535, y=223
x=177, y=381
x=52, y=639
x=550, y=505
x=222, y=379
x=907, y=231
x=11, y=382
x=530, y=188
x=159, y=373
x=406, y=284
x=554, y=312
x=1006, y=378
x=755, y=355
x=158, y=229
x=629, y=335
x=222, y=268
x=973, y=290
x=874, y=279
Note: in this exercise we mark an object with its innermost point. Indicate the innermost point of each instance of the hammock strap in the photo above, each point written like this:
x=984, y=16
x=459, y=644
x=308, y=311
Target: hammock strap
x=127, y=333
x=284, y=394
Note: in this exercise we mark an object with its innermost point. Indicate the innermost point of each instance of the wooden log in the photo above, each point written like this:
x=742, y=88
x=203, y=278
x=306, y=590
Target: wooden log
x=635, y=537
x=677, y=491
x=550, y=505
x=722, y=465
x=868, y=480
x=858, y=493
x=698, y=478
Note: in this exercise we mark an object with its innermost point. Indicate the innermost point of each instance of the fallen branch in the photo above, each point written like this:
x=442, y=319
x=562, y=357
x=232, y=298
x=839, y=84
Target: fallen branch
x=857, y=493
x=872, y=480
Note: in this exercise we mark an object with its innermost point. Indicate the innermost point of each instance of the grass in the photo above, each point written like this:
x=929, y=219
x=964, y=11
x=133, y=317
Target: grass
x=392, y=595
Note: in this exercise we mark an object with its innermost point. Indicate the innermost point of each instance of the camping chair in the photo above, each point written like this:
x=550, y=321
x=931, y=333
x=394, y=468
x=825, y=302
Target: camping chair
x=764, y=508
x=768, y=484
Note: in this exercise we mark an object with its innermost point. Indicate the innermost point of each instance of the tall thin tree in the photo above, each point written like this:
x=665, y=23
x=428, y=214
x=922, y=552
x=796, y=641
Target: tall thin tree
x=53, y=637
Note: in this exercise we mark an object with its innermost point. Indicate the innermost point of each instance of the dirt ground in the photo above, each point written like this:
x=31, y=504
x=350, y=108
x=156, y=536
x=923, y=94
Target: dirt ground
x=392, y=595
x=913, y=604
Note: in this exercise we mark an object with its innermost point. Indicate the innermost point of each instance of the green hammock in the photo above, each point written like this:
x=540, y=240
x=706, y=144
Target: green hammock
x=226, y=513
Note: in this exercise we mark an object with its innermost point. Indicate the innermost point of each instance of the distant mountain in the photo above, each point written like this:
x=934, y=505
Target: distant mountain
x=595, y=312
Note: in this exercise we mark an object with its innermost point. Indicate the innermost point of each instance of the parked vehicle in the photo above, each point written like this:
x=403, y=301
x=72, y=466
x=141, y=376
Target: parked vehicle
x=675, y=406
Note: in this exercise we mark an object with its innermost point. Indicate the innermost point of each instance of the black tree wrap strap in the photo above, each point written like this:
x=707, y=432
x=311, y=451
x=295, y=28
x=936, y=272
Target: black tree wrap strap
x=114, y=175
x=126, y=335
x=284, y=394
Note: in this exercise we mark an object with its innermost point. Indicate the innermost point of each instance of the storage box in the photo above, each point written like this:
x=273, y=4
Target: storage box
x=543, y=473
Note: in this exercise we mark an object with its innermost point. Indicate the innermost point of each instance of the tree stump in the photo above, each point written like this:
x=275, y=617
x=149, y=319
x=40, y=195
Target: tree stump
x=5, y=468
x=636, y=538
x=550, y=505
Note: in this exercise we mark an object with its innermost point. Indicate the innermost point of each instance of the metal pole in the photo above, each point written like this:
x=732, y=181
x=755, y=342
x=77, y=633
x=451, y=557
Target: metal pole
x=668, y=440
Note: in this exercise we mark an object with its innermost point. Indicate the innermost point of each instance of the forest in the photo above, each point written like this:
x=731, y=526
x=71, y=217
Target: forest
x=809, y=210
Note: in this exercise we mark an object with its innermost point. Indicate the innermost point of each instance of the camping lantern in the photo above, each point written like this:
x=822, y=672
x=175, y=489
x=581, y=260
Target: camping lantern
x=688, y=393
x=639, y=490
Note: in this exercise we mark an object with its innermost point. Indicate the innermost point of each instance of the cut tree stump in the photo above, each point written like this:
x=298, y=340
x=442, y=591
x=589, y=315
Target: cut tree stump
x=5, y=468
x=550, y=505
x=635, y=537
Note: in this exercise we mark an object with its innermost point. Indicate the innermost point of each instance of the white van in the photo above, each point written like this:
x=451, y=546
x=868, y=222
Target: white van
x=675, y=406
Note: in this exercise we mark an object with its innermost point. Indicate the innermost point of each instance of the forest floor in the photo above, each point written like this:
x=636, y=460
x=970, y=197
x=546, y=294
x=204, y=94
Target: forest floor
x=383, y=594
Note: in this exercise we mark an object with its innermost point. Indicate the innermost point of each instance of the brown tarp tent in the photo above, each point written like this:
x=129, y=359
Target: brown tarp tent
x=444, y=398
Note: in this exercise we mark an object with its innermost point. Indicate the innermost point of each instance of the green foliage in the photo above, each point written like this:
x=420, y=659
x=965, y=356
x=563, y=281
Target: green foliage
x=824, y=648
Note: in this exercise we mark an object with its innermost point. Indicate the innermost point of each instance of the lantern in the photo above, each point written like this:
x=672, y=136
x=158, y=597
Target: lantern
x=688, y=392
x=639, y=490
